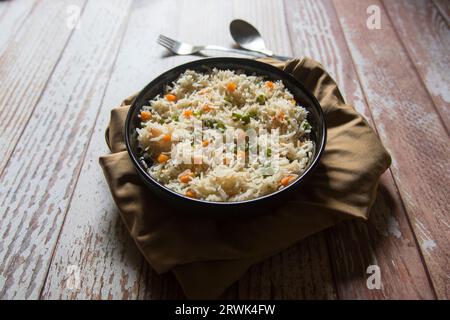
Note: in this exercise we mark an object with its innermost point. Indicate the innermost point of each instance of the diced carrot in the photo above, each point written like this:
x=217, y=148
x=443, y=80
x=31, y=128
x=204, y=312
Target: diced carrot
x=286, y=180
x=167, y=138
x=206, y=108
x=190, y=194
x=231, y=86
x=281, y=115
x=185, y=178
x=269, y=84
x=171, y=97
x=162, y=158
x=187, y=113
x=146, y=115
x=205, y=143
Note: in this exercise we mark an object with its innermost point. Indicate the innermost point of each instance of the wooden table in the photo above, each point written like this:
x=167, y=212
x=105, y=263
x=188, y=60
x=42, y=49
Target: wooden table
x=58, y=81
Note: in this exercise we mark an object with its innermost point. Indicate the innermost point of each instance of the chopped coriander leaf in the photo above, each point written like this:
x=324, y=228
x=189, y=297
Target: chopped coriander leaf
x=197, y=113
x=209, y=123
x=261, y=99
x=236, y=116
x=268, y=152
x=221, y=126
x=253, y=114
x=306, y=125
x=245, y=119
x=175, y=117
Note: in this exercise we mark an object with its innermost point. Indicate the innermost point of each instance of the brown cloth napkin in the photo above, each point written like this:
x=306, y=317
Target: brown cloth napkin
x=207, y=254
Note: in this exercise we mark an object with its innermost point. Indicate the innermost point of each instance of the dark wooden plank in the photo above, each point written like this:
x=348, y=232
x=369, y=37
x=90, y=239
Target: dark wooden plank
x=314, y=32
x=37, y=183
x=292, y=274
x=159, y=287
x=444, y=8
x=426, y=36
x=385, y=241
x=410, y=128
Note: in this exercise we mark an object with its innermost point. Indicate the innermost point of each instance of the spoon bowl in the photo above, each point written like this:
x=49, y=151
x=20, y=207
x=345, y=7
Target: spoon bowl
x=248, y=37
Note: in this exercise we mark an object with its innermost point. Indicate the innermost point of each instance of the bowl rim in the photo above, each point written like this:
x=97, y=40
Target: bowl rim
x=257, y=64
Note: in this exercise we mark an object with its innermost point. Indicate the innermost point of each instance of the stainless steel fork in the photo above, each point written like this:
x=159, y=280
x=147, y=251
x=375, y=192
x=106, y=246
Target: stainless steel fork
x=183, y=48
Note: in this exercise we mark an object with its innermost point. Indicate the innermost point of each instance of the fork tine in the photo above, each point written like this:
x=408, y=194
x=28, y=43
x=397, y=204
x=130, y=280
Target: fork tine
x=164, y=37
x=165, y=45
x=163, y=42
x=167, y=39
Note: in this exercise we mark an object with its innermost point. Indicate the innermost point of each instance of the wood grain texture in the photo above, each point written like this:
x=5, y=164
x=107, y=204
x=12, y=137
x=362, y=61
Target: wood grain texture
x=315, y=31
x=34, y=53
x=409, y=127
x=444, y=8
x=300, y=272
x=12, y=17
x=426, y=36
x=37, y=184
x=56, y=212
x=111, y=266
x=386, y=241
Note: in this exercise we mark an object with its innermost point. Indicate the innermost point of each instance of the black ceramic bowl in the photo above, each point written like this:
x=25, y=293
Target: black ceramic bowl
x=250, y=67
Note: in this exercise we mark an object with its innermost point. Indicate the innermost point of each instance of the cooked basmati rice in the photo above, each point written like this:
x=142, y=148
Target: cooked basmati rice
x=222, y=101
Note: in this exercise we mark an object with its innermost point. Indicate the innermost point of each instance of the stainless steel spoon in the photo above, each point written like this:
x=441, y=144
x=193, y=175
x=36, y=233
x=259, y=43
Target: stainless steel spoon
x=248, y=37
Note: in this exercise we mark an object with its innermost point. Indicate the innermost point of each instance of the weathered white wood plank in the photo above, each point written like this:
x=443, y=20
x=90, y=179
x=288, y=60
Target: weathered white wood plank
x=426, y=36
x=37, y=184
x=111, y=266
x=25, y=67
x=12, y=16
x=410, y=129
x=315, y=32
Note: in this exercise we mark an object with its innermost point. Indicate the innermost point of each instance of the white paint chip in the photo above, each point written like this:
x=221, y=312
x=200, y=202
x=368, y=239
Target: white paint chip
x=393, y=227
x=428, y=245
